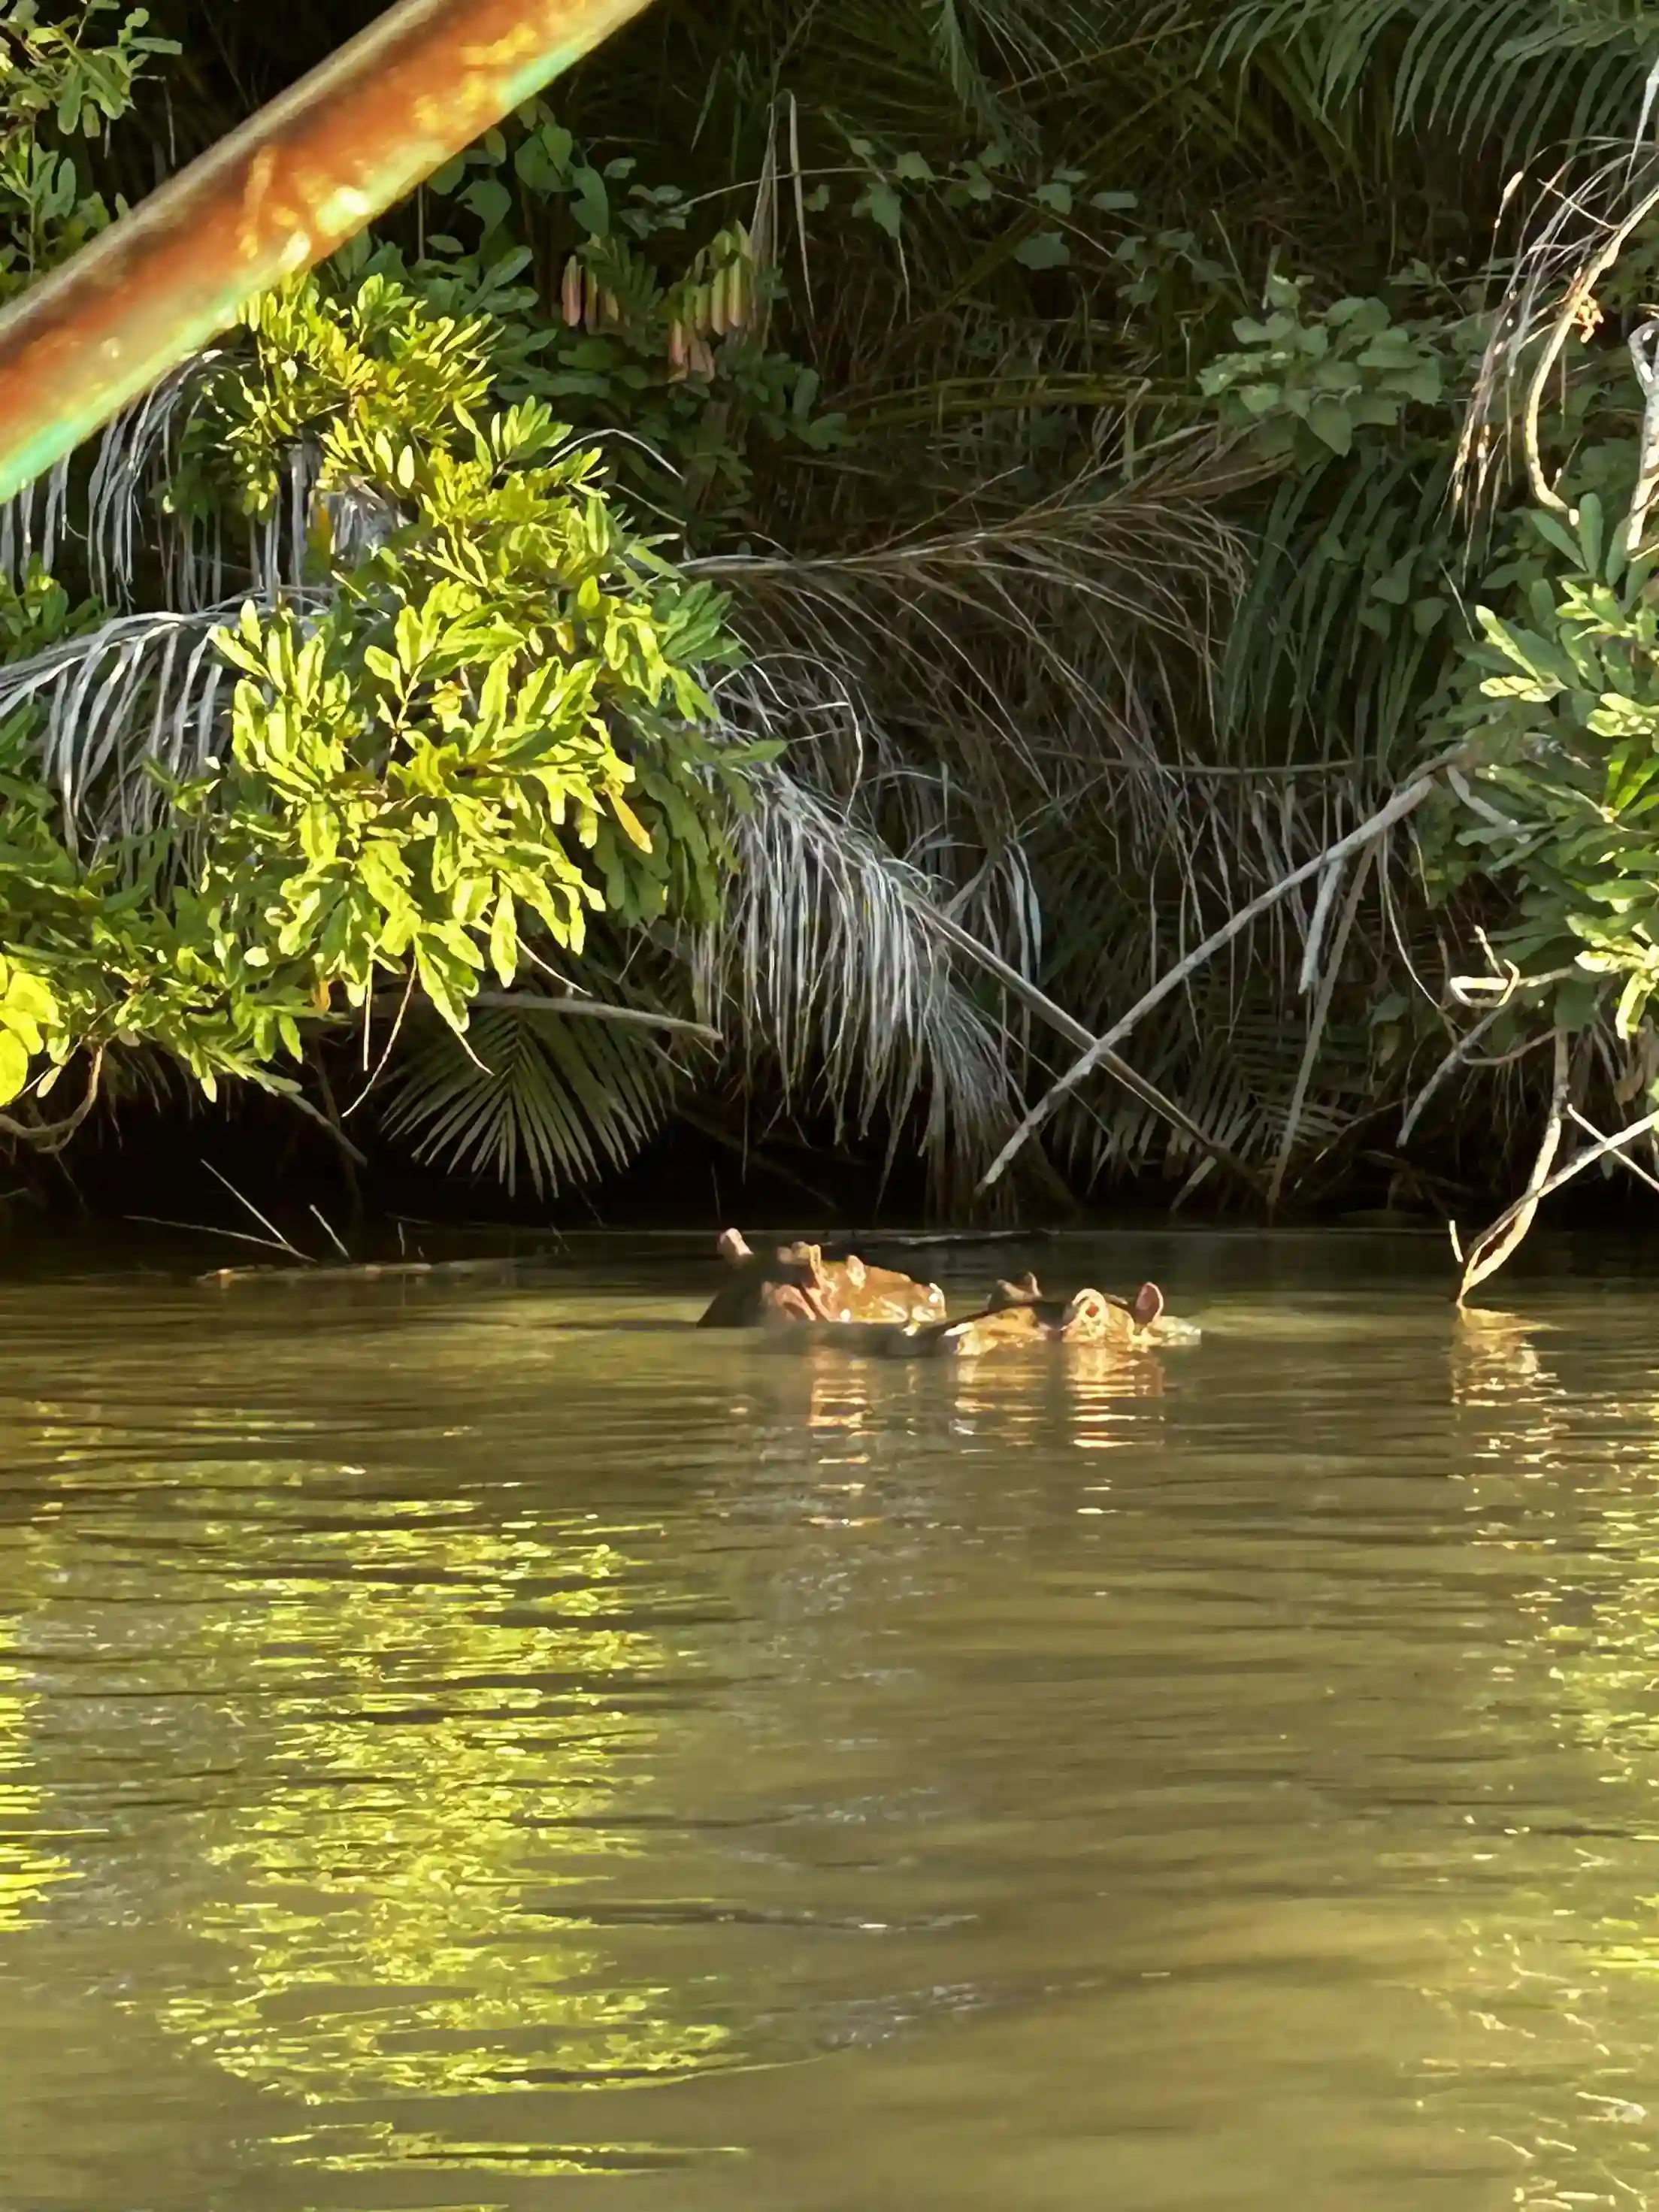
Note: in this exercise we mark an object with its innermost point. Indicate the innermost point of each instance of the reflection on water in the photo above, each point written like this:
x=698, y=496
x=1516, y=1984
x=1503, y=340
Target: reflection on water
x=479, y=1686
x=1546, y=1978
x=451, y=1743
x=29, y=1866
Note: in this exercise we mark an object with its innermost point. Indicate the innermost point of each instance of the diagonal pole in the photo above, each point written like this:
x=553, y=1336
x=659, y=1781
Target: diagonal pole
x=283, y=191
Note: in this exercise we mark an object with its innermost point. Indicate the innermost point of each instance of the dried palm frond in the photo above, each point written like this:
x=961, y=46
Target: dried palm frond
x=32, y=525
x=142, y=688
x=837, y=992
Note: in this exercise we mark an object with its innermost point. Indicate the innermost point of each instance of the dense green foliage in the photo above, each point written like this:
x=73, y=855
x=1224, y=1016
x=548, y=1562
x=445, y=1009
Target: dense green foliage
x=1011, y=474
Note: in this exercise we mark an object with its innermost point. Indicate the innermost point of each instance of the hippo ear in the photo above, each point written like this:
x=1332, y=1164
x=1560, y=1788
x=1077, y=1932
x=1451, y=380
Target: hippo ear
x=1030, y=1285
x=1149, y=1304
x=731, y=1248
x=854, y=1270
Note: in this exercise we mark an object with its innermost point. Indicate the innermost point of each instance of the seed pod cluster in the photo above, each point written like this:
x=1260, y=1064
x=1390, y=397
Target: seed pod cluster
x=717, y=298
x=584, y=301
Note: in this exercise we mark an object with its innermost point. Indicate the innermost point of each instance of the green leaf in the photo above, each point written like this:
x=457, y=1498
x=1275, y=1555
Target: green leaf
x=1044, y=249
x=14, y=1066
x=489, y=200
x=1556, y=534
x=590, y=202
x=1332, y=424
x=1576, y=1003
x=1589, y=533
x=504, y=937
x=1425, y=615
x=883, y=206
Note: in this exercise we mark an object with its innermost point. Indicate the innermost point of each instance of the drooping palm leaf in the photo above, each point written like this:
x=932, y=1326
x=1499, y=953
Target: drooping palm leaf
x=530, y=1095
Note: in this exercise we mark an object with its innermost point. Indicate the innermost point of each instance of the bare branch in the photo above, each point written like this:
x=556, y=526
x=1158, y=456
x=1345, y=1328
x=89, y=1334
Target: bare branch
x=1403, y=803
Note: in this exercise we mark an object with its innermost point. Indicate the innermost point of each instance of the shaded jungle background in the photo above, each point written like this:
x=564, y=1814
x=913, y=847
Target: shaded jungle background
x=1064, y=401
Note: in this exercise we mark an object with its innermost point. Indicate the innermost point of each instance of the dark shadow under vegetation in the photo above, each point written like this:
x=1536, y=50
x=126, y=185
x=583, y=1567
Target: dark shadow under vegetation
x=969, y=612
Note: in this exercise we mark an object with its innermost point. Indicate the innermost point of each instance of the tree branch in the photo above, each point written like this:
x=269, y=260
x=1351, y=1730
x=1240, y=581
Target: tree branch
x=1403, y=803
x=53, y=1136
x=1138, y=1085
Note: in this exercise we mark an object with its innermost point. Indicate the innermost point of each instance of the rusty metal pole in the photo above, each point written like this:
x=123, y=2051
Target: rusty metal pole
x=283, y=191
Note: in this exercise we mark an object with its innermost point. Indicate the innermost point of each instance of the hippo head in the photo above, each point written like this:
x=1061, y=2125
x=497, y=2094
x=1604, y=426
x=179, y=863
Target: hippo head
x=800, y=1269
x=783, y=1304
x=1096, y=1317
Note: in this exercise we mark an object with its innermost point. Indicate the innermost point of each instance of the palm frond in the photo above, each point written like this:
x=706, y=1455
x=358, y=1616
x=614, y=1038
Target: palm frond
x=839, y=993
x=530, y=1095
x=1348, y=612
x=1516, y=75
x=143, y=688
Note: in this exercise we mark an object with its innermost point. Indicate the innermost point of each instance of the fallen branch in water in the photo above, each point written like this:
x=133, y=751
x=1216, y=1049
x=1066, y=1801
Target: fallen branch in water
x=370, y=1271
x=1404, y=802
x=895, y=1242
x=1528, y=1204
x=1495, y=1245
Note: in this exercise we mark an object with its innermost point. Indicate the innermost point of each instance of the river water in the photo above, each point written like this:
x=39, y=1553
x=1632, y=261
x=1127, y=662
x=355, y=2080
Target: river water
x=481, y=1743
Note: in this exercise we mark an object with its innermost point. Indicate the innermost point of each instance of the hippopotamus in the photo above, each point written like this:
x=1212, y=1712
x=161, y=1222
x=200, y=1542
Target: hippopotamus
x=798, y=1285
x=856, y=1291
x=789, y=1286
x=1017, y=1316
x=1134, y=1324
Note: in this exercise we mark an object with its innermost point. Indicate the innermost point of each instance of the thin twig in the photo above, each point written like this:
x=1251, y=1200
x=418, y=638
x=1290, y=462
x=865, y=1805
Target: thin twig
x=328, y=1230
x=529, y=1002
x=390, y=1043
x=51, y=1136
x=1464, y=1045
x=1623, y=1158
x=1322, y=1013
x=1329, y=883
x=314, y=1114
x=1576, y=1166
x=263, y=1219
x=207, y=1229
x=596, y=1009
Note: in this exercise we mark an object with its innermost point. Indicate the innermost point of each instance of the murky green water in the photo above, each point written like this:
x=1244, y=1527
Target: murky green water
x=470, y=1747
